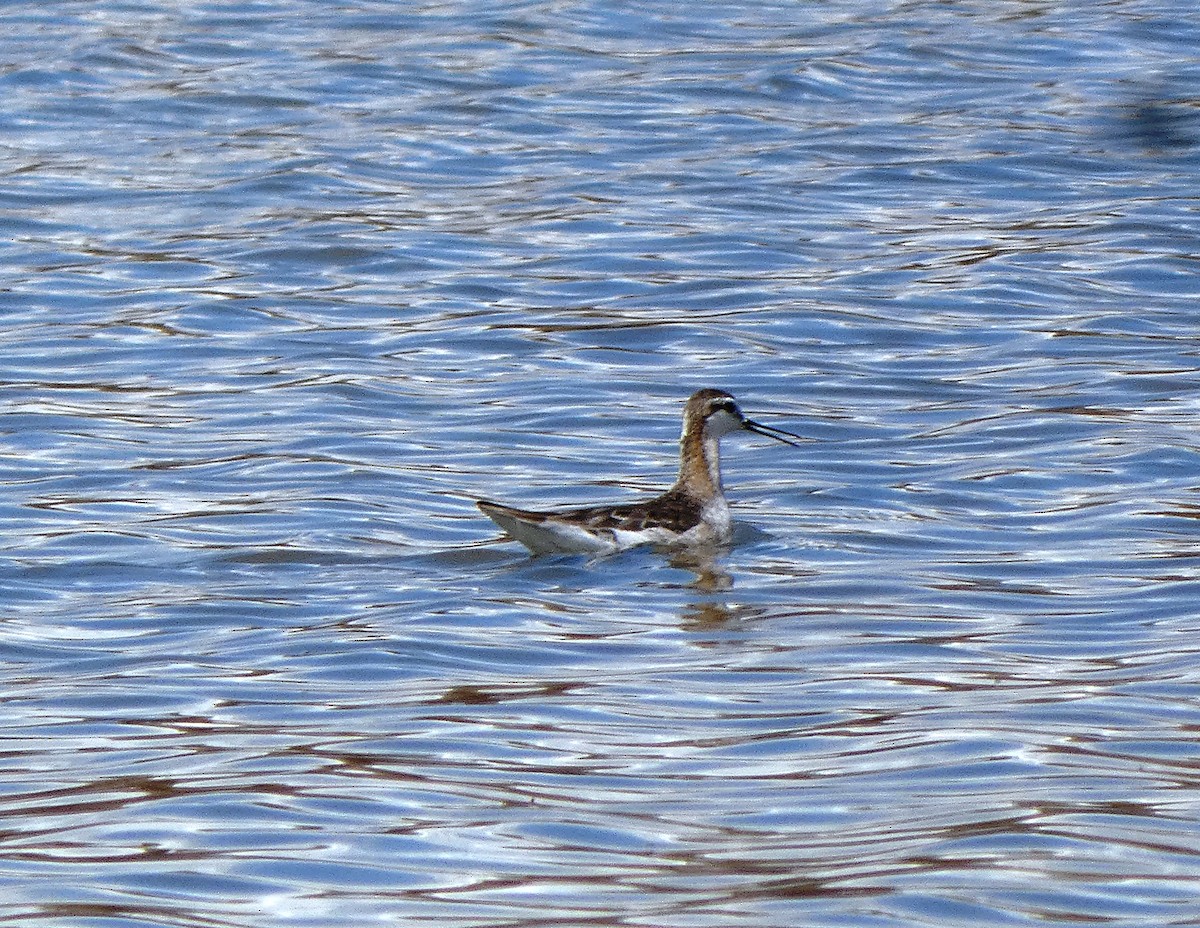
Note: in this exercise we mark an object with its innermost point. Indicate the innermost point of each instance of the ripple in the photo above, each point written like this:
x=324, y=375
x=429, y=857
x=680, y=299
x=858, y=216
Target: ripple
x=287, y=293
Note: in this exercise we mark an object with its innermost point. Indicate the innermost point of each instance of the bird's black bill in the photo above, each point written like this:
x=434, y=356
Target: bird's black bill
x=788, y=438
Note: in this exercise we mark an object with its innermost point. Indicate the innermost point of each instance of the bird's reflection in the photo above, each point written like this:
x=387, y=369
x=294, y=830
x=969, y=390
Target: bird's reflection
x=703, y=561
x=707, y=611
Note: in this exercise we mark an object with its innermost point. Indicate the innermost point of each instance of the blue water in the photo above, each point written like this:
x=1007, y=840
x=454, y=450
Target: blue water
x=287, y=285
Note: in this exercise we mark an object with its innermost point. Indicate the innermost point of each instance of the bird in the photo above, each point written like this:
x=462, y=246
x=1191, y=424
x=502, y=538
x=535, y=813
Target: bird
x=691, y=513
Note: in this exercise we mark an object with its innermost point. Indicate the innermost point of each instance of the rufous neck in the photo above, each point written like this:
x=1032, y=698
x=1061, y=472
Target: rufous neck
x=699, y=465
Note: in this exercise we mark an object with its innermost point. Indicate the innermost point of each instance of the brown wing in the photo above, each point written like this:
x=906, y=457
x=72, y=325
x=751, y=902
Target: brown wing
x=674, y=511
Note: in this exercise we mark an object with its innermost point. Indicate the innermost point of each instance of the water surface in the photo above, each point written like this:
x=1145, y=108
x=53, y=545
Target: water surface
x=288, y=285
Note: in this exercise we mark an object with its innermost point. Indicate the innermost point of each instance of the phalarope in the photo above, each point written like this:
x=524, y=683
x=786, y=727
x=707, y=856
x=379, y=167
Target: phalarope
x=692, y=512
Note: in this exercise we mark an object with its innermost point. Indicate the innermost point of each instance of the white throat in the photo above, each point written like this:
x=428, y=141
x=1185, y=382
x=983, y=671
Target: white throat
x=712, y=457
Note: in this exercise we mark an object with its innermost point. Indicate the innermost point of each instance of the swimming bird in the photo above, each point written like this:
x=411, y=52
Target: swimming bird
x=693, y=512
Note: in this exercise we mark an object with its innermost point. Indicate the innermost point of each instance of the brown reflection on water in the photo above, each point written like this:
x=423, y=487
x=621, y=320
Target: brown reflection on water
x=469, y=695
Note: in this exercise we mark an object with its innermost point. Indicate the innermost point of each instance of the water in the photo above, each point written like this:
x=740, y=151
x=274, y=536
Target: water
x=287, y=286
